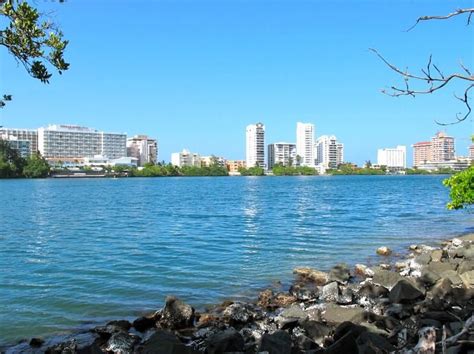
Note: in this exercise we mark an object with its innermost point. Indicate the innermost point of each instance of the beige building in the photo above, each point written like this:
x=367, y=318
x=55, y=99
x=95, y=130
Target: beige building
x=186, y=158
x=421, y=153
x=208, y=161
x=442, y=147
x=143, y=148
x=233, y=166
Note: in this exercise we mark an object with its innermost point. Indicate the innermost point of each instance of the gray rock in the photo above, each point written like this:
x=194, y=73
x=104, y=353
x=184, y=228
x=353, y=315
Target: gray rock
x=386, y=278
x=428, y=277
x=369, y=342
x=423, y=258
x=316, y=330
x=465, y=266
x=142, y=324
x=372, y=290
x=320, y=278
x=121, y=343
x=330, y=292
x=440, y=267
x=405, y=291
x=436, y=255
x=276, y=343
x=340, y=273
x=238, y=313
x=69, y=347
x=176, y=314
x=294, y=311
x=164, y=342
x=335, y=314
x=346, y=297
x=226, y=341
x=452, y=276
x=304, y=292
x=468, y=278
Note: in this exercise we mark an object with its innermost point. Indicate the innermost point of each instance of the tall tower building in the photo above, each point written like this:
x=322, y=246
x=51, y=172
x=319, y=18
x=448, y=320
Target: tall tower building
x=392, y=157
x=305, y=143
x=442, y=147
x=143, y=148
x=421, y=153
x=255, y=145
x=329, y=152
x=281, y=153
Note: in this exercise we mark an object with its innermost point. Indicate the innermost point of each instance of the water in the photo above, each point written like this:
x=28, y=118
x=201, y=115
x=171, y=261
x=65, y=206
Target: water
x=79, y=252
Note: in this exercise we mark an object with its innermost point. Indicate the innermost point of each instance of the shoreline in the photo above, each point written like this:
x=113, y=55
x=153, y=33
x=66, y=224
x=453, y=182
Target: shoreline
x=322, y=312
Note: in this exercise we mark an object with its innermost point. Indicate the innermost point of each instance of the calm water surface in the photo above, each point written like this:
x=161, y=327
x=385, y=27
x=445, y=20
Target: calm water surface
x=78, y=252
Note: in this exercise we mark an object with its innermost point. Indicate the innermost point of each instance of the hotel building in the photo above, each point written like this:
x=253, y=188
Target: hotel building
x=442, y=147
x=22, y=137
x=421, y=153
x=185, y=158
x=281, y=153
x=143, y=148
x=72, y=142
x=329, y=152
x=255, y=145
x=392, y=157
x=305, y=143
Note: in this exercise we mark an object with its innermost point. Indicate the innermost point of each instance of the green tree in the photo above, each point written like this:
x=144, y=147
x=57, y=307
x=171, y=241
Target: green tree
x=36, y=167
x=461, y=189
x=11, y=163
x=33, y=41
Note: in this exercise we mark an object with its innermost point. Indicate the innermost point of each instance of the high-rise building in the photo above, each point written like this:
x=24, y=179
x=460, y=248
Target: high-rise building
x=305, y=143
x=471, y=152
x=255, y=145
x=421, y=153
x=281, y=153
x=24, y=135
x=22, y=147
x=442, y=147
x=329, y=152
x=143, y=148
x=186, y=158
x=392, y=157
x=72, y=142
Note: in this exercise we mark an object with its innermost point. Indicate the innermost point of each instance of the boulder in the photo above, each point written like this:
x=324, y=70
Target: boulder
x=143, y=324
x=371, y=290
x=465, y=266
x=63, y=348
x=320, y=278
x=440, y=267
x=176, y=314
x=276, y=343
x=363, y=271
x=306, y=344
x=304, y=292
x=384, y=251
x=340, y=273
x=428, y=277
x=238, y=313
x=330, y=292
x=436, y=255
x=121, y=342
x=468, y=278
x=316, y=330
x=346, y=297
x=36, y=342
x=294, y=312
x=386, y=278
x=335, y=314
x=164, y=342
x=405, y=291
x=225, y=341
x=452, y=276
x=283, y=299
x=369, y=342
x=346, y=344
x=423, y=258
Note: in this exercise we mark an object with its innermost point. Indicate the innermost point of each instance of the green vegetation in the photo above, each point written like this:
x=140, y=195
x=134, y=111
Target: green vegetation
x=280, y=170
x=34, y=42
x=161, y=170
x=12, y=165
x=462, y=189
x=252, y=171
x=350, y=169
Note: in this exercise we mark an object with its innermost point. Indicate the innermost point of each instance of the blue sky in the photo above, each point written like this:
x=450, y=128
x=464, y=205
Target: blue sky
x=194, y=73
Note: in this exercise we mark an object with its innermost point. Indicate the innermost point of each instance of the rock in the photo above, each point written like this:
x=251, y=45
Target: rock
x=283, y=299
x=90, y=349
x=206, y=319
x=384, y=251
x=456, y=242
x=337, y=314
x=465, y=266
x=330, y=292
x=316, y=330
x=372, y=290
x=238, y=313
x=452, y=276
x=363, y=271
x=164, y=342
x=69, y=347
x=348, y=327
x=340, y=273
x=369, y=342
x=143, y=324
x=346, y=297
x=440, y=316
x=404, y=291
x=265, y=298
x=304, y=292
x=436, y=256
x=276, y=343
x=226, y=341
x=468, y=278
x=122, y=325
x=385, y=266
x=386, y=278
x=121, y=343
x=441, y=289
x=428, y=277
x=346, y=344
x=305, y=344
x=176, y=314
x=320, y=278
x=413, y=247
x=399, y=266
x=294, y=311
x=36, y=342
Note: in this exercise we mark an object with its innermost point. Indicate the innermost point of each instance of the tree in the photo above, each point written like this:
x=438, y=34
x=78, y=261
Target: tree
x=462, y=189
x=11, y=163
x=34, y=42
x=36, y=167
x=431, y=78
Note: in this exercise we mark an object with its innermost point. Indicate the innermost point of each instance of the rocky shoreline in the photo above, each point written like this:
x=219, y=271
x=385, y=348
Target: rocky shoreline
x=421, y=304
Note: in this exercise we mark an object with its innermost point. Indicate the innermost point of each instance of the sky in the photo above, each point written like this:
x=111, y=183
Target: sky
x=194, y=74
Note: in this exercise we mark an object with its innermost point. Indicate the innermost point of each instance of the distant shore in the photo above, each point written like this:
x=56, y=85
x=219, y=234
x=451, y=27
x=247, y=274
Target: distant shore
x=423, y=299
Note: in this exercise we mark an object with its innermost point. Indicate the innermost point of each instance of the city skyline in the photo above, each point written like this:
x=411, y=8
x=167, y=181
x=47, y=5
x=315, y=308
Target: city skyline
x=207, y=75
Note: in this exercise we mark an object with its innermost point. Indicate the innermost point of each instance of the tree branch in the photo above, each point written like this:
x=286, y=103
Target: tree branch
x=458, y=12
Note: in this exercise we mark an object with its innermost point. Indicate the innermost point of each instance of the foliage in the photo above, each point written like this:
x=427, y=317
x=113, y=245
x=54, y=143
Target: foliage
x=350, y=169
x=34, y=42
x=252, y=171
x=36, y=167
x=462, y=189
x=11, y=163
x=161, y=170
x=280, y=170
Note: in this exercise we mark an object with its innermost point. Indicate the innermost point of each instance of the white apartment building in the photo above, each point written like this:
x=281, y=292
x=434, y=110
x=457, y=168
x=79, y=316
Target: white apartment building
x=208, y=161
x=185, y=158
x=281, y=153
x=143, y=148
x=329, y=153
x=72, y=142
x=255, y=145
x=305, y=143
x=29, y=135
x=392, y=157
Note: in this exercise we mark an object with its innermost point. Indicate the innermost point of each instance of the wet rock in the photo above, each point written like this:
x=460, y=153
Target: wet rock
x=372, y=290
x=335, y=314
x=36, y=342
x=283, y=299
x=276, y=343
x=238, y=313
x=176, y=314
x=226, y=341
x=164, y=342
x=295, y=312
x=69, y=347
x=143, y=324
x=320, y=278
x=316, y=330
x=386, y=278
x=304, y=292
x=369, y=342
x=384, y=251
x=265, y=298
x=121, y=343
x=405, y=291
x=339, y=273
x=363, y=271
x=346, y=297
x=305, y=344
x=330, y=292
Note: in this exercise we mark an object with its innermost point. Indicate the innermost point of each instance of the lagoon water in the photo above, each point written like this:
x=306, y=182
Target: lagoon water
x=75, y=253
